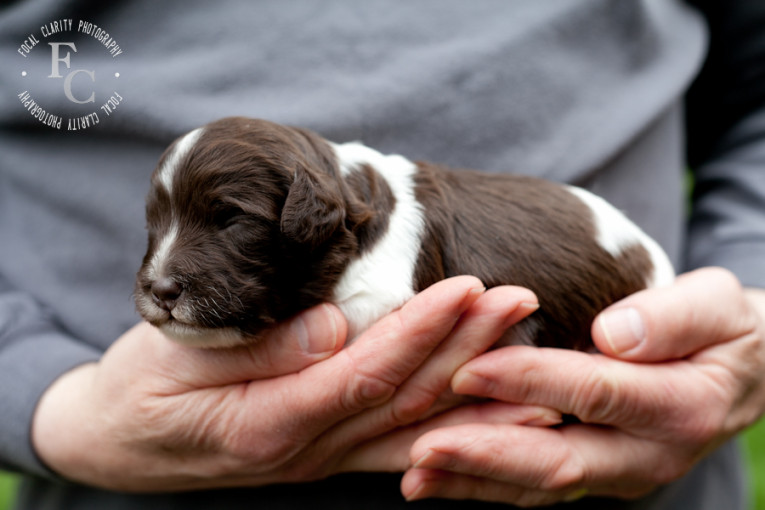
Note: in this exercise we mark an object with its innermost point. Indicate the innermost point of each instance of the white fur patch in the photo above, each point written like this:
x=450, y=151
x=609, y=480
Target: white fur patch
x=167, y=172
x=194, y=336
x=162, y=253
x=382, y=279
x=617, y=233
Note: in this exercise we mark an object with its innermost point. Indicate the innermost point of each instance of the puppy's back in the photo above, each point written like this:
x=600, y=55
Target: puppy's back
x=574, y=250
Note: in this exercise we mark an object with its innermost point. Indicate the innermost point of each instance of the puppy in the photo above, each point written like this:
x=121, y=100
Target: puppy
x=251, y=222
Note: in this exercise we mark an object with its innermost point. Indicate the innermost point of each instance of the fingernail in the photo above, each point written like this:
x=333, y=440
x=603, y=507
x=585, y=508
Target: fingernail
x=529, y=306
x=433, y=459
x=417, y=493
x=428, y=456
x=473, y=294
x=524, y=310
x=623, y=329
x=546, y=418
x=424, y=458
x=468, y=383
x=316, y=330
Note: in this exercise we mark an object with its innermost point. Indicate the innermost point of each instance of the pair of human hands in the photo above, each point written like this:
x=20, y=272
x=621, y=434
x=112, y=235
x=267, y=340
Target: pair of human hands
x=156, y=416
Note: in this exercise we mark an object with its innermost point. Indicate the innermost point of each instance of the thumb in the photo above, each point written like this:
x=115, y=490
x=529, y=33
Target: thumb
x=307, y=338
x=291, y=346
x=700, y=309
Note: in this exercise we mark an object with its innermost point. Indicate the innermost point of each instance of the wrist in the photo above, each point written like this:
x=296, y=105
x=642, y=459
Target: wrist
x=62, y=419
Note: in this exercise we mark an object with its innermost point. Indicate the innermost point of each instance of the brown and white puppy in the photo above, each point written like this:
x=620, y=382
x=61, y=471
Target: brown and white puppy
x=251, y=222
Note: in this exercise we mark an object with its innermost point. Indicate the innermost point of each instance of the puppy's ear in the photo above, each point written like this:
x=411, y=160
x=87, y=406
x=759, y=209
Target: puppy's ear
x=313, y=210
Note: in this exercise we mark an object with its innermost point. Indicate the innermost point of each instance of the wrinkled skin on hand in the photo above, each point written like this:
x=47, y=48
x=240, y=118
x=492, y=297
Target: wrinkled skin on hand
x=156, y=416
x=153, y=415
x=682, y=371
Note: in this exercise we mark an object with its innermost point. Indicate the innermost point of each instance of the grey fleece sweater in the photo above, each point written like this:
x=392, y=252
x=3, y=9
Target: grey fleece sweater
x=584, y=91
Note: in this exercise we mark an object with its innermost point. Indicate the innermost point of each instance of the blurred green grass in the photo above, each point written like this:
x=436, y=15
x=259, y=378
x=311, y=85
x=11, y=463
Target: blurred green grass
x=7, y=490
x=753, y=439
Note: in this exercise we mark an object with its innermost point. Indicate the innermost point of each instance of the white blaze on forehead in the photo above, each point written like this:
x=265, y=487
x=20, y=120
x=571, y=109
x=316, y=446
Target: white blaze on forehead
x=181, y=149
x=162, y=253
x=166, y=175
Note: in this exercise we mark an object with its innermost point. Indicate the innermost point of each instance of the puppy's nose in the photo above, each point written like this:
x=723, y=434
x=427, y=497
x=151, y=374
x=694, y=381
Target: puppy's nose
x=165, y=292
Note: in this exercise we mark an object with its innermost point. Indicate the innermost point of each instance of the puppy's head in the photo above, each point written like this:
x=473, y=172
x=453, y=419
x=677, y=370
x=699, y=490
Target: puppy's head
x=247, y=225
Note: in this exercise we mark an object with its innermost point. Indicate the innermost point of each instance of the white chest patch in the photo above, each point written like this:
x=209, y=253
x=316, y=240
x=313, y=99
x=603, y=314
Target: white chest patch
x=383, y=278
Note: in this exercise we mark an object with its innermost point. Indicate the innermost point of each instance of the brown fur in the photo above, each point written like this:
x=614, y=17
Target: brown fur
x=510, y=229
x=267, y=225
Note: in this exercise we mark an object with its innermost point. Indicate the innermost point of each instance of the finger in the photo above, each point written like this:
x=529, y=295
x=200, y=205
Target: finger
x=594, y=388
x=702, y=308
x=392, y=451
x=418, y=484
x=311, y=336
x=479, y=328
x=545, y=462
x=425, y=392
x=368, y=372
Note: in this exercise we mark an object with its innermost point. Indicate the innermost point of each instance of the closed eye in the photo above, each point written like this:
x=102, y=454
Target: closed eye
x=231, y=220
x=234, y=219
x=226, y=215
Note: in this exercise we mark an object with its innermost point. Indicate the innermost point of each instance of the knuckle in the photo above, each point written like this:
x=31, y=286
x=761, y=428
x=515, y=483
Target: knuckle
x=568, y=474
x=686, y=427
x=414, y=403
x=596, y=397
x=306, y=469
x=405, y=411
x=696, y=318
x=671, y=468
x=364, y=388
x=701, y=430
x=365, y=391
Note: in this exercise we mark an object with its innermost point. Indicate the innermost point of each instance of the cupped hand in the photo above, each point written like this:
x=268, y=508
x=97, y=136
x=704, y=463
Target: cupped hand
x=153, y=415
x=682, y=371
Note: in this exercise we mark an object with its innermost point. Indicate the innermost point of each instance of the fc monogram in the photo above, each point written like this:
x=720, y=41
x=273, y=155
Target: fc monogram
x=56, y=59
